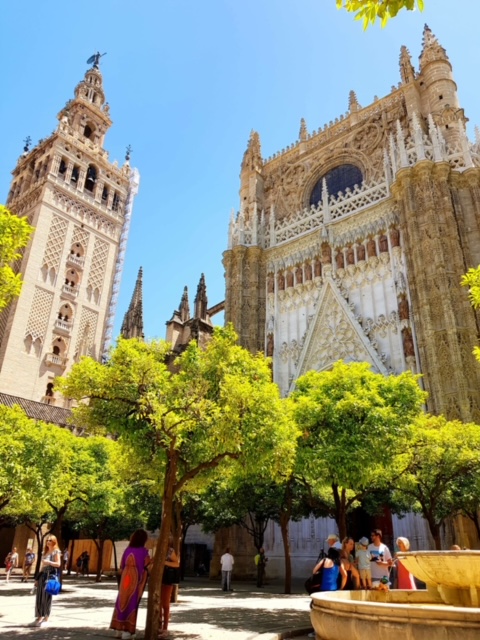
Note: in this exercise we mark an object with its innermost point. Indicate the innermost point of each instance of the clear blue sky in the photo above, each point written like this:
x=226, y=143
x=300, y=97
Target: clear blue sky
x=186, y=82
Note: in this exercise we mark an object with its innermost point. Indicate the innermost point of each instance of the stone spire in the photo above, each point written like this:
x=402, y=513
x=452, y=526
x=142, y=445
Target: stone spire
x=132, y=325
x=252, y=158
x=432, y=50
x=407, y=72
x=353, y=103
x=201, y=303
x=184, y=308
x=303, y=130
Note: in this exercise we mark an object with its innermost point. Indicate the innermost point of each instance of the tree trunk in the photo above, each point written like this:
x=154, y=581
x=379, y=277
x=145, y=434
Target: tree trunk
x=115, y=559
x=284, y=520
x=155, y=586
x=340, y=510
x=435, y=531
x=177, y=539
x=100, y=548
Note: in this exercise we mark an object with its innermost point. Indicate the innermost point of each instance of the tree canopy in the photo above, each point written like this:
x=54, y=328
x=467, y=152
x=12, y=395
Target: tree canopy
x=14, y=232
x=369, y=11
x=354, y=424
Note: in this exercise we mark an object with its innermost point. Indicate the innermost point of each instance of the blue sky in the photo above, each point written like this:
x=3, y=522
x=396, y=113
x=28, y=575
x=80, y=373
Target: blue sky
x=186, y=82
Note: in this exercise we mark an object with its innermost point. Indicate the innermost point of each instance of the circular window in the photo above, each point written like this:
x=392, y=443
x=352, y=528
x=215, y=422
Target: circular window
x=338, y=179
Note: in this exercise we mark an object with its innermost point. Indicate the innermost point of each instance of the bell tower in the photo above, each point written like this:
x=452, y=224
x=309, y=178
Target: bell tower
x=80, y=205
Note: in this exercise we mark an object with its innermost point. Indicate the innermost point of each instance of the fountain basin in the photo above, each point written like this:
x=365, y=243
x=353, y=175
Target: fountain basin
x=454, y=575
x=381, y=615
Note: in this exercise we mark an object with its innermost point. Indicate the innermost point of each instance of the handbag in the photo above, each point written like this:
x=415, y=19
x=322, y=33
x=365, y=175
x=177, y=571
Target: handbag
x=53, y=585
x=171, y=575
x=314, y=583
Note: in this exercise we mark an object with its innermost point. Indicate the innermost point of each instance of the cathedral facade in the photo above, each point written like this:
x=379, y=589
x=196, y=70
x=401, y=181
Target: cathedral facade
x=351, y=242
x=79, y=204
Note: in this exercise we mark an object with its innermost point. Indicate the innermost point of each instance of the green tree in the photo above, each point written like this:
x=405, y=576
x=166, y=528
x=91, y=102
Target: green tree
x=355, y=425
x=472, y=280
x=443, y=460
x=14, y=234
x=369, y=11
x=220, y=406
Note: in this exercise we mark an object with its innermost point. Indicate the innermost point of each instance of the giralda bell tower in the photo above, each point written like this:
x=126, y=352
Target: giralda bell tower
x=80, y=205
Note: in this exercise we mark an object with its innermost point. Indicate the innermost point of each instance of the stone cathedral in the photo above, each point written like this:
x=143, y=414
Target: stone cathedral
x=351, y=242
x=80, y=204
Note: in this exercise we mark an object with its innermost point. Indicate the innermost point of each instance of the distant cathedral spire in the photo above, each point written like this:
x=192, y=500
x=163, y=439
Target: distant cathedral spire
x=432, y=49
x=252, y=158
x=184, y=309
x=201, y=302
x=303, y=134
x=132, y=325
x=407, y=72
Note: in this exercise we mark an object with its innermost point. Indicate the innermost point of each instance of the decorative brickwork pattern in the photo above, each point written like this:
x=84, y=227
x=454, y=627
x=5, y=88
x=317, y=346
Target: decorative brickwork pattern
x=39, y=314
x=96, y=276
x=86, y=334
x=55, y=242
x=81, y=236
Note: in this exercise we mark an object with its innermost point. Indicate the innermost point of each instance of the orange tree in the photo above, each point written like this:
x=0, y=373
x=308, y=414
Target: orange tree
x=219, y=408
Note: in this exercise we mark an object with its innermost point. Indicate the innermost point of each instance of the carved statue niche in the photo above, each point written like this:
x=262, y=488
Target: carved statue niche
x=326, y=254
x=403, y=310
x=299, y=275
x=289, y=279
x=361, y=252
x=371, y=248
x=308, y=271
x=350, y=256
x=270, y=345
x=340, y=260
x=318, y=268
x=270, y=283
x=408, y=346
x=383, y=242
x=395, y=237
x=281, y=281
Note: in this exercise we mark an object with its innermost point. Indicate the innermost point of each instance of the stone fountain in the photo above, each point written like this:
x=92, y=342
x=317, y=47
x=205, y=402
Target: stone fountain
x=447, y=610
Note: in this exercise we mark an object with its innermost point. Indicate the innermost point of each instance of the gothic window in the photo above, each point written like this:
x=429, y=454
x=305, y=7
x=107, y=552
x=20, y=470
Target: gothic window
x=105, y=194
x=37, y=347
x=49, y=390
x=72, y=278
x=91, y=178
x=62, y=169
x=338, y=179
x=56, y=350
x=28, y=343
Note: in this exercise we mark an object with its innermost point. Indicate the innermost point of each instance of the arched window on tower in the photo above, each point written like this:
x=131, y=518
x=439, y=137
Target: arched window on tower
x=341, y=178
x=88, y=131
x=75, y=174
x=91, y=178
x=62, y=169
x=105, y=194
x=115, y=201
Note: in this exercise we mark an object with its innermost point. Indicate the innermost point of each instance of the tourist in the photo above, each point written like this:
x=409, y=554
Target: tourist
x=332, y=568
x=363, y=562
x=11, y=562
x=28, y=561
x=133, y=566
x=381, y=558
x=78, y=564
x=348, y=561
x=334, y=541
x=171, y=577
x=51, y=562
x=405, y=579
x=455, y=547
x=227, y=561
x=261, y=561
x=85, y=563
x=66, y=558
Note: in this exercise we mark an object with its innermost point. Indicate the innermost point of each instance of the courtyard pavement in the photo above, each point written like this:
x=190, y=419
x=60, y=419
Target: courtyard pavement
x=84, y=608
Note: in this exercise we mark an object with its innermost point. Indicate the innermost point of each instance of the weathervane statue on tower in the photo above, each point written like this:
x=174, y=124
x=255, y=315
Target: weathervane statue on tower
x=95, y=59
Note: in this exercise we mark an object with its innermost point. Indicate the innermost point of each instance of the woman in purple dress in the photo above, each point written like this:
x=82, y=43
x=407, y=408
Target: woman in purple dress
x=132, y=583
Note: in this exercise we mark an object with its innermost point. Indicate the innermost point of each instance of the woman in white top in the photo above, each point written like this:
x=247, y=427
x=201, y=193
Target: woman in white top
x=50, y=564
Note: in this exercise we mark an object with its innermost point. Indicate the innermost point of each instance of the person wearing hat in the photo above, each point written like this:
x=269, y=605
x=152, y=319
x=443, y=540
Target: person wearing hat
x=334, y=542
x=364, y=559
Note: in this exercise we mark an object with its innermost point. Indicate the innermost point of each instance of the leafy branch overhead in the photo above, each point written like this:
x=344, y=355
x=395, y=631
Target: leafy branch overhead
x=369, y=11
